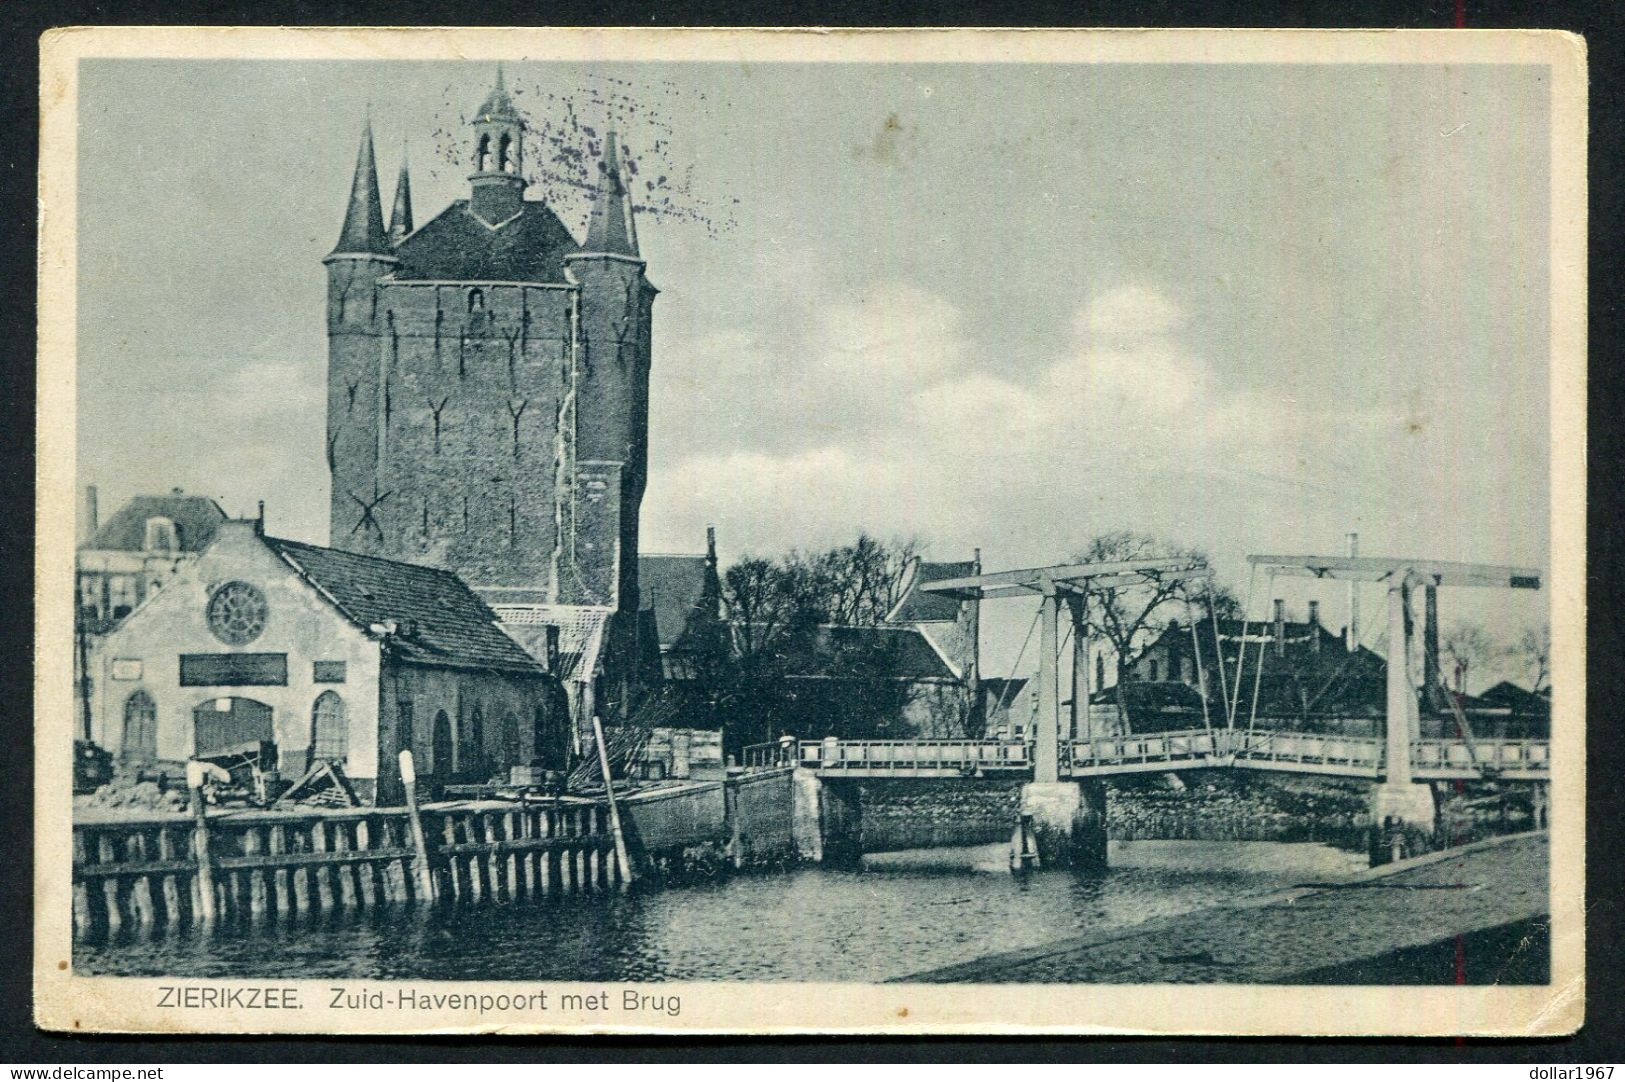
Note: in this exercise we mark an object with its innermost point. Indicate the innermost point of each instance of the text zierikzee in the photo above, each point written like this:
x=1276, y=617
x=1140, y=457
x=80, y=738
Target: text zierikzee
x=622, y=1001
x=229, y=997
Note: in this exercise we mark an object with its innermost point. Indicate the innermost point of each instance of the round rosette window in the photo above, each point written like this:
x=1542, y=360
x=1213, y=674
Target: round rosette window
x=237, y=613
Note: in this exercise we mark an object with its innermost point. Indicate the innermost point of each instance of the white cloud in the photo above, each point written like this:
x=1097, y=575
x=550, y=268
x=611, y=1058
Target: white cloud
x=1131, y=311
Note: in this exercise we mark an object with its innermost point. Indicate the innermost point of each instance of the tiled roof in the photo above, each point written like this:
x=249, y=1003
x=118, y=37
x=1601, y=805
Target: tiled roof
x=457, y=246
x=1509, y=696
x=195, y=518
x=833, y=650
x=673, y=587
x=440, y=621
x=920, y=607
x=581, y=633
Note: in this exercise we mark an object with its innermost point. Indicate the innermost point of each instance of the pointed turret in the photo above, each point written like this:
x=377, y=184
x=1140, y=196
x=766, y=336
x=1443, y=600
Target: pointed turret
x=363, y=232
x=400, y=219
x=498, y=105
x=611, y=230
x=498, y=180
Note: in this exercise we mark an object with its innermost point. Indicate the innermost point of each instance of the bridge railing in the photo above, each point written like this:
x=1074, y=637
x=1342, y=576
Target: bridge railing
x=902, y=756
x=1145, y=748
x=1357, y=753
x=1509, y=756
x=769, y=756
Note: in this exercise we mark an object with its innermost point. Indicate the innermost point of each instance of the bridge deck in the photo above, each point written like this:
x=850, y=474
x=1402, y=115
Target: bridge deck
x=1193, y=749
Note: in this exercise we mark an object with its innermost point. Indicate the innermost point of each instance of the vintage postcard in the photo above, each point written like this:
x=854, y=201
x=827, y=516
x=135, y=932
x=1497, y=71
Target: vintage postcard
x=912, y=532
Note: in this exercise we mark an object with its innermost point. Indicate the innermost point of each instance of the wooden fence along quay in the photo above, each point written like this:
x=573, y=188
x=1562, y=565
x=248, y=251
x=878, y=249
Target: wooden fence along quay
x=171, y=870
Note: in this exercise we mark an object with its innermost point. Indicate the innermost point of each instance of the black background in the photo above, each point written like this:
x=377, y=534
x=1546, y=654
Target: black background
x=21, y=23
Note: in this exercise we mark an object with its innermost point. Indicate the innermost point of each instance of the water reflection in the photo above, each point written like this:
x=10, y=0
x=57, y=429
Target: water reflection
x=898, y=913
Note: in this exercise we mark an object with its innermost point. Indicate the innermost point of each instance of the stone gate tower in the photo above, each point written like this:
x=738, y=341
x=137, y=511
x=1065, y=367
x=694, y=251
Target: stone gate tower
x=488, y=387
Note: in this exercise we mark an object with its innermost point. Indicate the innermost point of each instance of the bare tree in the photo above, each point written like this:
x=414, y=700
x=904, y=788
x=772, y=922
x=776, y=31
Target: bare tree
x=1467, y=645
x=1532, y=653
x=852, y=585
x=780, y=618
x=1126, y=616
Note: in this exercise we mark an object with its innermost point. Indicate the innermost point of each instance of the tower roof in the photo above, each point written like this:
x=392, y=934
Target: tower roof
x=363, y=232
x=498, y=105
x=456, y=245
x=611, y=229
x=400, y=219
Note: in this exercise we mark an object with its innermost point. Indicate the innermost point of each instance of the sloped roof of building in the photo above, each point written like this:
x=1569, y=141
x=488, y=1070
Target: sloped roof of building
x=834, y=652
x=195, y=517
x=919, y=607
x=1509, y=696
x=456, y=245
x=1313, y=673
x=673, y=588
x=439, y=620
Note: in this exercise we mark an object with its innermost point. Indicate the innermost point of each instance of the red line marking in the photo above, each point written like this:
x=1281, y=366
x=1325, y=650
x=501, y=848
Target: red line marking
x=1461, y=14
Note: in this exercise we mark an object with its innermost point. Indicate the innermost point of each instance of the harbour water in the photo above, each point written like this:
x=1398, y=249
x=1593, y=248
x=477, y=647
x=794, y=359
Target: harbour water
x=896, y=914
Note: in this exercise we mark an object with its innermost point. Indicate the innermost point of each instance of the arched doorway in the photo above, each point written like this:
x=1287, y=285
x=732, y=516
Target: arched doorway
x=139, y=744
x=551, y=733
x=329, y=729
x=440, y=751
x=510, y=742
x=221, y=724
x=474, y=753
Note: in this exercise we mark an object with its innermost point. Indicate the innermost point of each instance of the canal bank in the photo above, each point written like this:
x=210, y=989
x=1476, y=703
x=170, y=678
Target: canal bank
x=1485, y=906
x=884, y=917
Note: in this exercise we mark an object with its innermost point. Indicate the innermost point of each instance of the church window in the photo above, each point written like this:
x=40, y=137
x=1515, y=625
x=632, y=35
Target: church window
x=329, y=728
x=1153, y=672
x=504, y=162
x=140, y=739
x=403, y=728
x=476, y=301
x=482, y=156
x=237, y=613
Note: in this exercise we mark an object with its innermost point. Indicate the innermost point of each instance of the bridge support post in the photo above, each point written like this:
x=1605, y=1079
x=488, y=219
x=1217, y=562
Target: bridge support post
x=826, y=819
x=1063, y=824
x=1403, y=813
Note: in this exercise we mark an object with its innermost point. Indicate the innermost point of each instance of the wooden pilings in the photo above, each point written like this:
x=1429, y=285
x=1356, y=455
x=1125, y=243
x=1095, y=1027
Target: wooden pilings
x=228, y=866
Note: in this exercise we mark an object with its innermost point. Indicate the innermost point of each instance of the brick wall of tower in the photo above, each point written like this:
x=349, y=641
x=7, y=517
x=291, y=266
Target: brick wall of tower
x=352, y=397
x=613, y=389
x=471, y=380
x=473, y=425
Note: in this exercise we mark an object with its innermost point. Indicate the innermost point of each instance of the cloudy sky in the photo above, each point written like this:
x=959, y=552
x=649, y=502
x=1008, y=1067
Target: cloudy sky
x=1249, y=308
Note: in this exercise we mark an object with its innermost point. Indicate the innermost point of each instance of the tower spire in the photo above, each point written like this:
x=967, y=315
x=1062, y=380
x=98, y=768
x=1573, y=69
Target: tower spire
x=611, y=229
x=363, y=232
x=400, y=219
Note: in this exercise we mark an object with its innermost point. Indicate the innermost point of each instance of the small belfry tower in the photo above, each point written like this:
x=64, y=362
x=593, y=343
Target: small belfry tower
x=488, y=385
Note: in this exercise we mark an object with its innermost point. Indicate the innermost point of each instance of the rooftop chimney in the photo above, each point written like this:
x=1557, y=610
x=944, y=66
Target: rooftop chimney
x=1314, y=626
x=1280, y=627
x=1353, y=639
x=711, y=545
x=91, y=524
